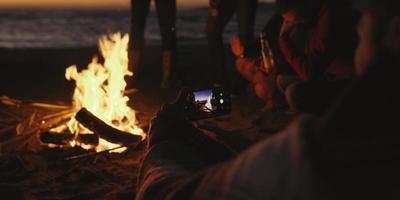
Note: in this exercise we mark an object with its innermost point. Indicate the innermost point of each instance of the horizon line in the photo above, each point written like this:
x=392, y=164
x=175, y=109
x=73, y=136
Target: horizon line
x=84, y=7
x=88, y=6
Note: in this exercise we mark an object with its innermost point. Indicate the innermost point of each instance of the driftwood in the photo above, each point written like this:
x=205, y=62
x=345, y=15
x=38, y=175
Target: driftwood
x=10, y=116
x=20, y=141
x=65, y=138
x=50, y=106
x=105, y=131
x=85, y=155
x=10, y=102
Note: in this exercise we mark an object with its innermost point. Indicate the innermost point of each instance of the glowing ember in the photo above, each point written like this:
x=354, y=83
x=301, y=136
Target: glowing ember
x=100, y=88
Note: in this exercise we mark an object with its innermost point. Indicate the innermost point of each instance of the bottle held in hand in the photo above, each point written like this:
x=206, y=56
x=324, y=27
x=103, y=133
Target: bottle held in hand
x=266, y=54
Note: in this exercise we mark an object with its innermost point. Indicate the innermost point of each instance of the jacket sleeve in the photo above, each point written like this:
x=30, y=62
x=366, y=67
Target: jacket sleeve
x=277, y=166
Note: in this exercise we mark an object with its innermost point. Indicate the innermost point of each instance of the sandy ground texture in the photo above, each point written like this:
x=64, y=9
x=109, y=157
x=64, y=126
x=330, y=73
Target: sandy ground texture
x=30, y=170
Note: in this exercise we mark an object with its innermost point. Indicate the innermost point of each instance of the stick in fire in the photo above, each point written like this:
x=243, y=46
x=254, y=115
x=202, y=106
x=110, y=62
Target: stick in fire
x=105, y=131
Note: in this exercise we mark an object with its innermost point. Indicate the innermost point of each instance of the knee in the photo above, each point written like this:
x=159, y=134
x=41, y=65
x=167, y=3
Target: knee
x=280, y=83
x=263, y=91
x=284, y=81
x=292, y=96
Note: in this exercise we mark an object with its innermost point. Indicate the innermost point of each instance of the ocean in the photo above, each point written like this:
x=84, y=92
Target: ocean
x=82, y=28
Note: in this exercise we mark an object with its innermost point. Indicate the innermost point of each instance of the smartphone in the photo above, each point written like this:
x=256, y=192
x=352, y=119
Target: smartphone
x=208, y=103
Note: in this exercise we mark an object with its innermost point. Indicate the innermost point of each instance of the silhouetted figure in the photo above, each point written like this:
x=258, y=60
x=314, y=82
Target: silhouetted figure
x=324, y=64
x=221, y=11
x=166, y=12
x=317, y=39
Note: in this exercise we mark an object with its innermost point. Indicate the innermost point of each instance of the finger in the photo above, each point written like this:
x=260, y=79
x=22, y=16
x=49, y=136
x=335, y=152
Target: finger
x=182, y=96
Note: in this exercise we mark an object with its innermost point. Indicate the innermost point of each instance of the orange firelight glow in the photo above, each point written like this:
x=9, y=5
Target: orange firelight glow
x=100, y=89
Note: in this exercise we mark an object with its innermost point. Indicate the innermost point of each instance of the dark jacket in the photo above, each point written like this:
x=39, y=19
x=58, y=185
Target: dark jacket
x=330, y=43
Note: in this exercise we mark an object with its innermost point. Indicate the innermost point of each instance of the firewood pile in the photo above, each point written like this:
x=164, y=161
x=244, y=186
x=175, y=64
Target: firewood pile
x=31, y=168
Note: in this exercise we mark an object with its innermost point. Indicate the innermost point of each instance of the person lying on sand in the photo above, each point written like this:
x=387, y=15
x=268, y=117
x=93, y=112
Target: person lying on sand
x=351, y=152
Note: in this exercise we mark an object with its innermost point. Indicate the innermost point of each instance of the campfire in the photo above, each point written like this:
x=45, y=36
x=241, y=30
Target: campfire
x=99, y=118
x=60, y=150
x=99, y=104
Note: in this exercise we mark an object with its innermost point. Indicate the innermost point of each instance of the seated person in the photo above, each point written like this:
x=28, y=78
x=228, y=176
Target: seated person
x=317, y=40
x=350, y=153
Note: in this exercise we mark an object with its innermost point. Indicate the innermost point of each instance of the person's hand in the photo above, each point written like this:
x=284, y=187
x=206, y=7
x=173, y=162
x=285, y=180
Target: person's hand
x=236, y=46
x=171, y=125
x=170, y=122
x=247, y=68
x=174, y=111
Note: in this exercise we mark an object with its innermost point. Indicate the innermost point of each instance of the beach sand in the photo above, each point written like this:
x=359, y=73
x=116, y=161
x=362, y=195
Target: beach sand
x=38, y=75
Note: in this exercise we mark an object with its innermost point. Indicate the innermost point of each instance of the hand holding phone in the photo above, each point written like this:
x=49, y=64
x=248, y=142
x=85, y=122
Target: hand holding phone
x=207, y=103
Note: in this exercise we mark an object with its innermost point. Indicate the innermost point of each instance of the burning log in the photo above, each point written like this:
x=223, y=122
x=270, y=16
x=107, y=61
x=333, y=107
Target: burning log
x=65, y=138
x=105, y=131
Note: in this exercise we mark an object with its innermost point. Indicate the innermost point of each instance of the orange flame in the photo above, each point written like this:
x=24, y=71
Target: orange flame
x=100, y=88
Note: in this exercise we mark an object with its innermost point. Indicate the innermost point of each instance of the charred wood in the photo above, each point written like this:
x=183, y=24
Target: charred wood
x=105, y=131
x=65, y=138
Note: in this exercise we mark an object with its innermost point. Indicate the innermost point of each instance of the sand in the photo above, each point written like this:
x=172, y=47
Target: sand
x=38, y=75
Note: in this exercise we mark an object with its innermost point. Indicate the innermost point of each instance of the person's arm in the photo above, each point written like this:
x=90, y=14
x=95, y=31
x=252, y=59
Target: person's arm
x=176, y=150
x=311, y=61
x=276, y=166
x=247, y=67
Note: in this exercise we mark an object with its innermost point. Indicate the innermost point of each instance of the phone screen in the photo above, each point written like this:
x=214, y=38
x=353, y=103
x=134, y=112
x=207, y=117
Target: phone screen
x=207, y=103
x=203, y=100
